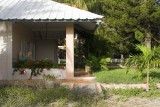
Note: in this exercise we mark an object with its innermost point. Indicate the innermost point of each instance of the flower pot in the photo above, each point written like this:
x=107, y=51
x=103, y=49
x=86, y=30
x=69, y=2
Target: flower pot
x=41, y=70
x=21, y=71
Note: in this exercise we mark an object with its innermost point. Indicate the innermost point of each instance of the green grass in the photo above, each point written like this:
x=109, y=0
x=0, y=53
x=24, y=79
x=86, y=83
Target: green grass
x=120, y=76
x=133, y=92
x=23, y=96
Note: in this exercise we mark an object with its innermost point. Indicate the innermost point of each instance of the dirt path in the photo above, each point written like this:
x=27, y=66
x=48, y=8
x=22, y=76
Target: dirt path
x=117, y=101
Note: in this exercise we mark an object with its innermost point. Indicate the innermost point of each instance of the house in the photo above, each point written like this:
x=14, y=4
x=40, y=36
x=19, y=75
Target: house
x=36, y=26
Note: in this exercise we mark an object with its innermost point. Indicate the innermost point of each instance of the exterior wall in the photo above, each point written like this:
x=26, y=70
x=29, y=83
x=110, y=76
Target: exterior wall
x=20, y=33
x=5, y=50
x=47, y=49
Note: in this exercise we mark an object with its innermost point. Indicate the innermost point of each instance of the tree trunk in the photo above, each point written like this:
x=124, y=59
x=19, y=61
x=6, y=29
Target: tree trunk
x=148, y=71
x=148, y=42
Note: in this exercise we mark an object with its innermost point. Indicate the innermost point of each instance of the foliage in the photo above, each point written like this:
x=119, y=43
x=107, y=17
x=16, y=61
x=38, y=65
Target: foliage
x=36, y=66
x=45, y=63
x=146, y=57
x=97, y=64
x=75, y=3
x=97, y=46
x=128, y=22
x=149, y=58
x=49, y=77
x=79, y=52
x=103, y=63
x=93, y=44
x=93, y=62
x=20, y=64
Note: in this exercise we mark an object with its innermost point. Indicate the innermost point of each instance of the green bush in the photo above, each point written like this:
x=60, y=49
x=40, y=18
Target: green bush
x=49, y=77
x=97, y=64
x=103, y=63
x=36, y=66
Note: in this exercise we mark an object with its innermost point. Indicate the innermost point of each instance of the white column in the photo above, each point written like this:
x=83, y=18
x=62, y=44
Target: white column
x=70, y=50
x=5, y=50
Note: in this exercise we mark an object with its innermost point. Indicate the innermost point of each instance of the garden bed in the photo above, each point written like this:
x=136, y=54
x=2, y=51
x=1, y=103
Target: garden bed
x=59, y=73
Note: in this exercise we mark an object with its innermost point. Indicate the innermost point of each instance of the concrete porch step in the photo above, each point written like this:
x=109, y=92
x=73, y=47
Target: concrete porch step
x=82, y=74
x=78, y=80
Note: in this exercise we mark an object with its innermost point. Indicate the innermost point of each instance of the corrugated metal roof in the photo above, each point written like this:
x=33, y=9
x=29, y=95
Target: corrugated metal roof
x=42, y=10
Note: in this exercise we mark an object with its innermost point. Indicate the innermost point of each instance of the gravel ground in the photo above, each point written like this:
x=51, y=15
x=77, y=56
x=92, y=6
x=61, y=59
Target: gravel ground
x=117, y=101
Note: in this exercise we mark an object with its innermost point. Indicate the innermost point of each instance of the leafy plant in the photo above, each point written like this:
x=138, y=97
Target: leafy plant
x=49, y=77
x=97, y=63
x=104, y=62
x=45, y=63
x=147, y=59
x=36, y=66
x=93, y=62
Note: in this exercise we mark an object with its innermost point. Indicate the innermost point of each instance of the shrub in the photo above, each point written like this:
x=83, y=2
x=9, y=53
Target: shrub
x=49, y=77
x=36, y=66
x=97, y=64
x=104, y=62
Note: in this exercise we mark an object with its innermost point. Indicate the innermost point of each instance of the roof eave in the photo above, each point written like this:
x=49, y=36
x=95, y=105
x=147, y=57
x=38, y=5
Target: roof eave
x=53, y=20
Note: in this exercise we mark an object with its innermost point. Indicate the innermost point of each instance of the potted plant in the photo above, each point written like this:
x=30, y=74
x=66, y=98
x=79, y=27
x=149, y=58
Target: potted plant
x=19, y=66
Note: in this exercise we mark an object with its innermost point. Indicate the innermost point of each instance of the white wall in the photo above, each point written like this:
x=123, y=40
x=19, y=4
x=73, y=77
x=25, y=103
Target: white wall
x=21, y=32
x=46, y=49
x=5, y=50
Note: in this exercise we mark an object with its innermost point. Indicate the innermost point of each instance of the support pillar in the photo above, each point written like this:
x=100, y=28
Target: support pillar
x=70, y=50
x=5, y=51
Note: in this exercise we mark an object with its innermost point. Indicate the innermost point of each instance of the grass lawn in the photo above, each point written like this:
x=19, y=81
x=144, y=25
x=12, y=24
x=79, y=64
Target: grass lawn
x=23, y=96
x=120, y=76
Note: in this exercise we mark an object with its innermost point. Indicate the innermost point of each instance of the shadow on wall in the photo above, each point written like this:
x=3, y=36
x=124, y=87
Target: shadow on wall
x=3, y=45
x=3, y=39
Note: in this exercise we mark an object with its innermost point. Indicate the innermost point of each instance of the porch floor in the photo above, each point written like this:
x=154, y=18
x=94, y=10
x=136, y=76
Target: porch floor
x=82, y=74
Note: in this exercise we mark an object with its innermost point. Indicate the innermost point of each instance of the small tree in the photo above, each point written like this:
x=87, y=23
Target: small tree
x=147, y=59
